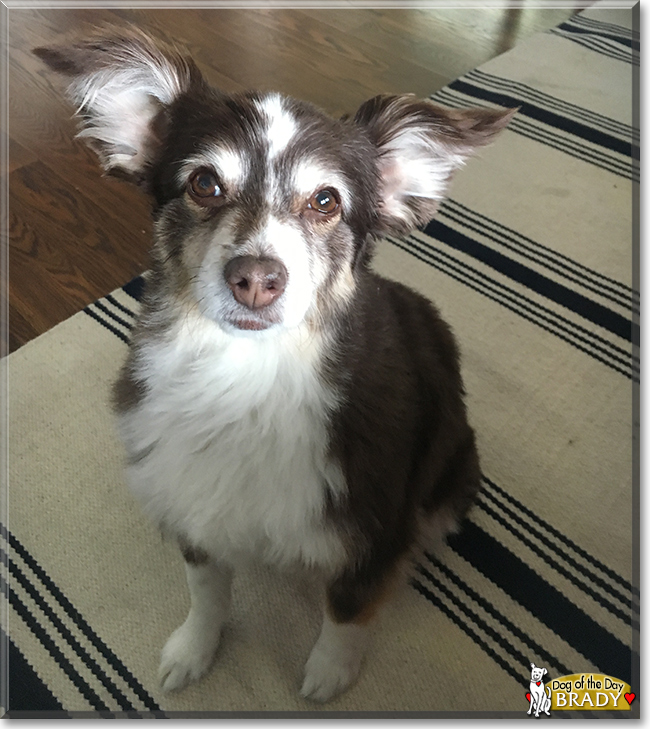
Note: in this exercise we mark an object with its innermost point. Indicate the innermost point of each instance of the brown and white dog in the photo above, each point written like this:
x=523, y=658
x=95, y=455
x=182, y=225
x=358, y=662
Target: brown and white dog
x=280, y=401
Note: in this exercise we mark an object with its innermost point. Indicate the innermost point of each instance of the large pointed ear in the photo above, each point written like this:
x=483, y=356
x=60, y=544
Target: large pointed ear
x=420, y=145
x=122, y=83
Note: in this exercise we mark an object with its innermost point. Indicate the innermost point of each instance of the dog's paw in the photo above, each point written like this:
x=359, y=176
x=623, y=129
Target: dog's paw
x=186, y=657
x=329, y=673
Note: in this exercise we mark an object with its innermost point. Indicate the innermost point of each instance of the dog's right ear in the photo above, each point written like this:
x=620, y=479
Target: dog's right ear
x=122, y=84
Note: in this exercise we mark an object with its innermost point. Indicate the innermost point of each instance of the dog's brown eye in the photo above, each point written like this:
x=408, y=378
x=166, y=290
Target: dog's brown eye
x=204, y=187
x=324, y=201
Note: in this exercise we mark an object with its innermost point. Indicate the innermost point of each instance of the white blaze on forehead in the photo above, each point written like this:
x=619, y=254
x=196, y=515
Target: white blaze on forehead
x=281, y=126
x=310, y=176
x=229, y=165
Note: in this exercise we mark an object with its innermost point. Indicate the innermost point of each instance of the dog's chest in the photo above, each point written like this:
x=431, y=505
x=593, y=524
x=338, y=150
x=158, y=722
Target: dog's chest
x=229, y=448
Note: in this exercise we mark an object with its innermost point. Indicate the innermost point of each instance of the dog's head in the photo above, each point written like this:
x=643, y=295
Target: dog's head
x=265, y=207
x=536, y=673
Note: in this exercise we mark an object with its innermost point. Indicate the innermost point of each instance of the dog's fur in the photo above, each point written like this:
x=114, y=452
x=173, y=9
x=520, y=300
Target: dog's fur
x=316, y=430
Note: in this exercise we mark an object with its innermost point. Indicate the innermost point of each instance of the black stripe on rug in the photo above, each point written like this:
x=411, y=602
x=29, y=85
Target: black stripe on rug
x=563, y=538
x=117, y=305
x=598, y=46
x=551, y=118
x=562, y=554
x=545, y=602
x=574, y=147
x=519, y=303
x=497, y=292
x=27, y=691
x=625, y=617
x=106, y=653
x=460, y=606
x=578, y=304
x=435, y=600
x=523, y=637
x=50, y=646
x=591, y=117
x=487, y=229
x=602, y=25
x=524, y=128
x=60, y=627
x=623, y=293
x=115, y=317
x=107, y=325
x=628, y=42
x=601, y=45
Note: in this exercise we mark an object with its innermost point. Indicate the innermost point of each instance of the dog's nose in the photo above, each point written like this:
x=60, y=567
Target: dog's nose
x=255, y=282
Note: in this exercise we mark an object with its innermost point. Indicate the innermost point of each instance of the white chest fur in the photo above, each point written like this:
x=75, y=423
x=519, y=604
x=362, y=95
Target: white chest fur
x=228, y=447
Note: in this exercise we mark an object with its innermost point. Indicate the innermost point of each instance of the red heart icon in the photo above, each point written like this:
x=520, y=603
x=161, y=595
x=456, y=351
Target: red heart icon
x=528, y=696
x=630, y=698
x=539, y=683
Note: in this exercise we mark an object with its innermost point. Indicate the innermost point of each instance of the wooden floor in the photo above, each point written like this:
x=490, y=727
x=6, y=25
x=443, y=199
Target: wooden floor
x=73, y=237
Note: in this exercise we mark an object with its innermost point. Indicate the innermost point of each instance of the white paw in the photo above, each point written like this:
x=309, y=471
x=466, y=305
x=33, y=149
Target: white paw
x=329, y=672
x=187, y=655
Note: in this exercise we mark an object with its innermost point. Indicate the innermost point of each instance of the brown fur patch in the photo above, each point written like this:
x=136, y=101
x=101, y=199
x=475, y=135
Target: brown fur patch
x=127, y=391
x=357, y=600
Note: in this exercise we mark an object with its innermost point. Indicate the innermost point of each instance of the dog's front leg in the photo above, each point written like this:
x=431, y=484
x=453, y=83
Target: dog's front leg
x=190, y=650
x=335, y=660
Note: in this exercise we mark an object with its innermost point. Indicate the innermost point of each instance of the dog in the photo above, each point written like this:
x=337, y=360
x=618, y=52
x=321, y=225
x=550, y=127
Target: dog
x=280, y=401
x=539, y=699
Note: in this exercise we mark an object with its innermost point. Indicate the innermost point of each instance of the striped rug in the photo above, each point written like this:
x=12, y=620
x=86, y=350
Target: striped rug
x=532, y=262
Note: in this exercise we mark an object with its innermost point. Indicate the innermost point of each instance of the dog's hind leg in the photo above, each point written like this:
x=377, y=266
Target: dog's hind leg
x=454, y=490
x=190, y=650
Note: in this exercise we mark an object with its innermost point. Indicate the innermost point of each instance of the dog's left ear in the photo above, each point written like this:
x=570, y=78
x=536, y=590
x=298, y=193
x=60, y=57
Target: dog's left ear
x=420, y=145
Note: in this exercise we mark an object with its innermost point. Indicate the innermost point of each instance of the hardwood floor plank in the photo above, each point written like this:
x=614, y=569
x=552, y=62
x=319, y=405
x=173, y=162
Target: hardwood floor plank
x=21, y=329
x=290, y=52
x=19, y=156
x=450, y=41
x=69, y=233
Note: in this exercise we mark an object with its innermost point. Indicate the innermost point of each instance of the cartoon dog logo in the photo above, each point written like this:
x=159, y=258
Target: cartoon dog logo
x=539, y=699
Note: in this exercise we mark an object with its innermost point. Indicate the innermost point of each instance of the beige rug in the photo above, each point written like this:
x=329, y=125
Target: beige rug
x=531, y=261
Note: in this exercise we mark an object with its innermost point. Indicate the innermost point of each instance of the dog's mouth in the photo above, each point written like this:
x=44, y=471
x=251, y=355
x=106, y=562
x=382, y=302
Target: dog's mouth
x=250, y=325
x=252, y=321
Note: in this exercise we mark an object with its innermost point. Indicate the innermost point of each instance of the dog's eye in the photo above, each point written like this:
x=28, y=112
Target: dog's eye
x=324, y=201
x=204, y=187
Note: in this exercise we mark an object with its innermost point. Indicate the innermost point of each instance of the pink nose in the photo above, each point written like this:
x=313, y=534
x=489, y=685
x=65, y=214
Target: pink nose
x=255, y=282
